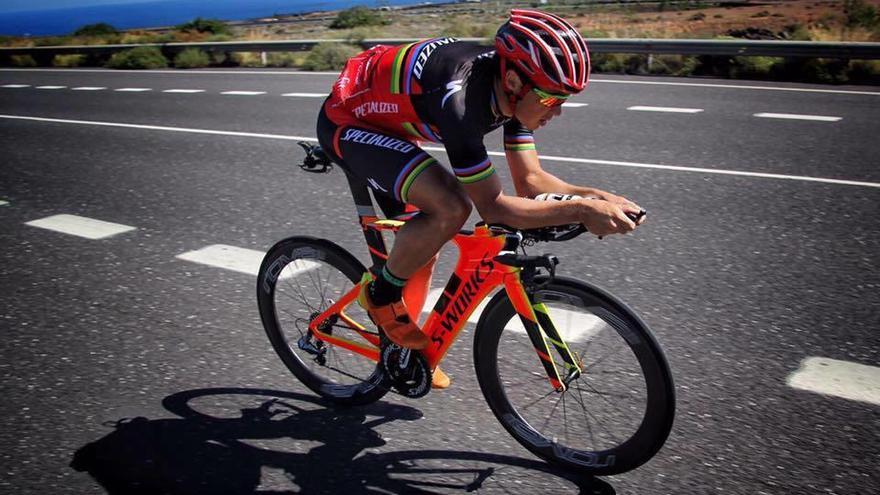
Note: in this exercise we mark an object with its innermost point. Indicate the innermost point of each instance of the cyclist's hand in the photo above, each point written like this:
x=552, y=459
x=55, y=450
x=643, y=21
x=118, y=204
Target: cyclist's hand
x=603, y=217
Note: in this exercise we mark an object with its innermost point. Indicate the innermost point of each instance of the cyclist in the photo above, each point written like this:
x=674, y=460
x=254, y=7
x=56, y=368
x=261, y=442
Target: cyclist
x=389, y=99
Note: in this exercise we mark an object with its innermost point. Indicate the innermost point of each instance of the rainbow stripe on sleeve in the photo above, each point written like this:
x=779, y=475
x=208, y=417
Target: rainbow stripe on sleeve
x=520, y=142
x=476, y=173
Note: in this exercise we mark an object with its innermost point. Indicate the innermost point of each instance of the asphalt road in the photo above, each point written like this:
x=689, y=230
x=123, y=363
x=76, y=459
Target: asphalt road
x=154, y=368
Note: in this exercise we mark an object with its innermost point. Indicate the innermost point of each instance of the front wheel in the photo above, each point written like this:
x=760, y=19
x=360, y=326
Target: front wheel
x=612, y=418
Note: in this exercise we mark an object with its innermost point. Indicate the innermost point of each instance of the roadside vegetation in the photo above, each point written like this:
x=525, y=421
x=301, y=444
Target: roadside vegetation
x=807, y=20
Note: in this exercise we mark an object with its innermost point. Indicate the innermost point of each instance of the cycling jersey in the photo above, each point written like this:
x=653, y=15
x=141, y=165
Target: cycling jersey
x=388, y=99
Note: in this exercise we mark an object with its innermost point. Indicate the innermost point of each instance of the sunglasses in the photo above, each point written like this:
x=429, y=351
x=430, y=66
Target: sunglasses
x=550, y=100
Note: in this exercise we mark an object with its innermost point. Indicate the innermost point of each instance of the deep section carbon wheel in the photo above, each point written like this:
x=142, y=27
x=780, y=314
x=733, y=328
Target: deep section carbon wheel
x=614, y=416
x=299, y=278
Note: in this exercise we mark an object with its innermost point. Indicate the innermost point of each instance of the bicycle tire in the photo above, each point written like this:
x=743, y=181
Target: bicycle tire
x=306, y=253
x=655, y=422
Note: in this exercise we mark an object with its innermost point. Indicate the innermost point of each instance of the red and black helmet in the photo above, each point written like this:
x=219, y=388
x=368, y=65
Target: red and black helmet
x=546, y=49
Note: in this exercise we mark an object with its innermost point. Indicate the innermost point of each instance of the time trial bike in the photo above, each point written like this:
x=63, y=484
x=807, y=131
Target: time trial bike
x=571, y=372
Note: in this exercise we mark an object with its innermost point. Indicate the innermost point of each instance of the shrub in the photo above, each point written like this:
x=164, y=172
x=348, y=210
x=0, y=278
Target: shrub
x=74, y=60
x=329, y=56
x=142, y=57
x=247, y=59
x=754, y=67
x=699, y=16
x=192, y=58
x=200, y=25
x=99, y=29
x=620, y=63
x=860, y=14
x=354, y=17
x=673, y=65
x=284, y=59
x=22, y=61
x=864, y=71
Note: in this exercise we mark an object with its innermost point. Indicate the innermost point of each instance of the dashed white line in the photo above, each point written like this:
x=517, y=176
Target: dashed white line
x=794, y=116
x=843, y=379
x=15, y=86
x=243, y=93
x=492, y=153
x=89, y=88
x=51, y=87
x=80, y=226
x=241, y=260
x=4, y=203
x=641, y=108
x=307, y=95
x=186, y=91
x=574, y=105
x=133, y=90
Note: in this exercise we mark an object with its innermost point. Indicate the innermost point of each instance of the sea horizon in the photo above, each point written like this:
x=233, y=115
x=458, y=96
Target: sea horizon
x=164, y=13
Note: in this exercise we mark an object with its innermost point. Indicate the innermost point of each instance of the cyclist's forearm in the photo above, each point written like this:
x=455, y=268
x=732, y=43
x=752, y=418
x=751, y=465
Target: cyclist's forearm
x=525, y=213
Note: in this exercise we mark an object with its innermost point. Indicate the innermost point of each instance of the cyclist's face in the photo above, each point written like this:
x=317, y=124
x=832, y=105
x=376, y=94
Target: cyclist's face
x=532, y=113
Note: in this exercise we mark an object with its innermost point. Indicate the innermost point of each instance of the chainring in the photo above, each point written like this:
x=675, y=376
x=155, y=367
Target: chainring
x=407, y=370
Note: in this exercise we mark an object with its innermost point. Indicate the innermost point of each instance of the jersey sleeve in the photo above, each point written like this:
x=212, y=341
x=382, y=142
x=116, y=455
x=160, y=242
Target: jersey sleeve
x=518, y=137
x=468, y=157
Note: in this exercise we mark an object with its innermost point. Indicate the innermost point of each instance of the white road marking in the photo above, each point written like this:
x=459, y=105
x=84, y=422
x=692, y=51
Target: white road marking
x=737, y=86
x=80, y=226
x=187, y=91
x=241, y=260
x=572, y=326
x=308, y=73
x=4, y=203
x=492, y=153
x=640, y=108
x=133, y=90
x=89, y=88
x=574, y=105
x=792, y=116
x=307, y=95
x=243, y=93
x=843, y=379
x=15, y=86
x=51, y=87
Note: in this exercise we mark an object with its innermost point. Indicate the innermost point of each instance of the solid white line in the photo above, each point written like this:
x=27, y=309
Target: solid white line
x=307, y=95
x=80, y=226
x=163, y=128
x=492, y=153
x=736, y=86
x=51, y=87
x=574, y=105
x=243, y=93
x=792, y=116
x=187, y=91
x=843, y=379
x=89, y=88
x=15, y=86
x=241, y=260
x=638, y=108
x=133, y=90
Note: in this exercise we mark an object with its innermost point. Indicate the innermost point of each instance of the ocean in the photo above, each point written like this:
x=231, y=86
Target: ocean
x=167, y=13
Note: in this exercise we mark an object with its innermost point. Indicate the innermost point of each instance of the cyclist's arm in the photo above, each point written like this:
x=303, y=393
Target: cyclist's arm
x=529, y=178
x=599, y=216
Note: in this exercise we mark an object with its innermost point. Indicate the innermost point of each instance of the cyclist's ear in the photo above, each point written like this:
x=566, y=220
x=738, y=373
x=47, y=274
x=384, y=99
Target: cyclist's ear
x=512, y=81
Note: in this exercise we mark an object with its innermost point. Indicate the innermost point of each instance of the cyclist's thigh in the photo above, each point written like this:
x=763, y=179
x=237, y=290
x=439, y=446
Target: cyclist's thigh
x=387, y=163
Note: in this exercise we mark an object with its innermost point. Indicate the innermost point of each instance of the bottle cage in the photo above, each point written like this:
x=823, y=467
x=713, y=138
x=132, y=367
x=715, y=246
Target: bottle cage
x=316, y=161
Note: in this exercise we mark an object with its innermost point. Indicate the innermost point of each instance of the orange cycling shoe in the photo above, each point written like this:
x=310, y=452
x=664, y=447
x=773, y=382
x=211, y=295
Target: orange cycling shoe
x=394, y=320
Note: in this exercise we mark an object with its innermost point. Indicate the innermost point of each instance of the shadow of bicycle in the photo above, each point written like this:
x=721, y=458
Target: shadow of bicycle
x=205, y=451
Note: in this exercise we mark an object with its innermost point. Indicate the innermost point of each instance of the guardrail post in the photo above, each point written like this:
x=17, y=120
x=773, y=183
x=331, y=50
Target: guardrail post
x=263, y=59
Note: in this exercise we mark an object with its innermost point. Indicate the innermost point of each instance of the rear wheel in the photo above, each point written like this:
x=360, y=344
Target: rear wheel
x=299, y=278
x=612, y=418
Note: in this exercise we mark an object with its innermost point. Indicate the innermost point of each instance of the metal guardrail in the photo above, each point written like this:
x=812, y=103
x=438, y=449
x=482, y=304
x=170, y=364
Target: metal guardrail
x=746, y=48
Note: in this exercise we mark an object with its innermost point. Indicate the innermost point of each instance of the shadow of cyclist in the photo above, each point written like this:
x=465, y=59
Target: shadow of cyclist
x=200, y=453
